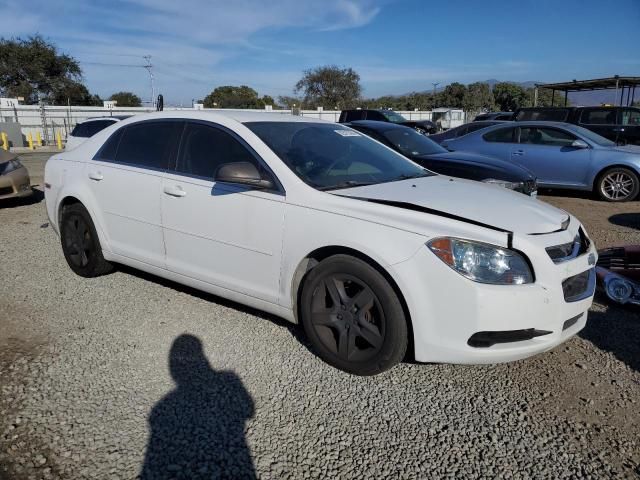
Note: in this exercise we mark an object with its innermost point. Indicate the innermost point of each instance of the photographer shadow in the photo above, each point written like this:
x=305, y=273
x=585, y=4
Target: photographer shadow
x=198, y=429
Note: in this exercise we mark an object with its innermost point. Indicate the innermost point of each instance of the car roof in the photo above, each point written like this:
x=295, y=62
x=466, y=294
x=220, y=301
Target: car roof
x=532, y=123
x=237, y=115
x=114, y=119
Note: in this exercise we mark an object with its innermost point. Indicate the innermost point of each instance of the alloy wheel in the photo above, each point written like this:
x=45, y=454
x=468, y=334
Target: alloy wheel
x=617, y=186
x=78, y=241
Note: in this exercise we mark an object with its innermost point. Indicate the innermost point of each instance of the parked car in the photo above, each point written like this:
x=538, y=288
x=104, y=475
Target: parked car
x=14, y=177
x=618, y=124
x=429, y=154
x=494, y=116
x=317, y=223
x=561, y=155
x=463, y=130
x=422, y=126
x=89, y=128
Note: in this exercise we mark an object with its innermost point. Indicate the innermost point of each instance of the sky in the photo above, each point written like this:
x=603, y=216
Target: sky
x=397, y=46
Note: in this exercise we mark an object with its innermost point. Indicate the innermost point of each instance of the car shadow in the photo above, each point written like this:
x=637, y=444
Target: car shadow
x=14, y=202
x=630, y=220
x=616, y=330
x=197, y=430
x=551, y=192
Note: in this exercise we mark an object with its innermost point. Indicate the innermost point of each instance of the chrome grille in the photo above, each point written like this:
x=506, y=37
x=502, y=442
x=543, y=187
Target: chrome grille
x=569, y=251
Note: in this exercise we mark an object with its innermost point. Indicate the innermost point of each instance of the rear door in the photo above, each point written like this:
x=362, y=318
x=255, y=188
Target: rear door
x=548, y=153
x=630, y=125
x=603, y=121
x=125, y=177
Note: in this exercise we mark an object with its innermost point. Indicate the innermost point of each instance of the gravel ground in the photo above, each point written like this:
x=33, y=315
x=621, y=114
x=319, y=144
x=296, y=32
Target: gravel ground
x=129, y=375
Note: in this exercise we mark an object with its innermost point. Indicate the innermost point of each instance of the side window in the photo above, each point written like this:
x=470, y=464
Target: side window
x=598, y=116
x=373, y=115
x=110, y=147
x=463, y=131
x=204, y=149
x=631, y=117
x=502, y=135
x=96, y=126
x=546, y=136
x=80, y=130
x=148, y=144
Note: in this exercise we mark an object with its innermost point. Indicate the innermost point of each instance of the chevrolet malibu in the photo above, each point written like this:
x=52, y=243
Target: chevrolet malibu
x=323, y=226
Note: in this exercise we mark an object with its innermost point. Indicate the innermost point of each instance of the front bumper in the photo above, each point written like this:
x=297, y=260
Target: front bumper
x=447, y=309
x=15, y=184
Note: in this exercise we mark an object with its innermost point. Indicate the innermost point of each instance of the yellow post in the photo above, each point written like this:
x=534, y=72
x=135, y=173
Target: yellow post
x=39, y=139
x=59, y=140
x=5, y=141
x=30, y=141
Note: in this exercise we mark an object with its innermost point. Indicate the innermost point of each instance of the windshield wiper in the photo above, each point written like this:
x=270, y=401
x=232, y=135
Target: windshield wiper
x=405, y=176
x=347, y=184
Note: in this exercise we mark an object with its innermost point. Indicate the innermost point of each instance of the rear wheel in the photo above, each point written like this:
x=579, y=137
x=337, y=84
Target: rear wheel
x=353, y=317
x=80, y=243
x=618, y=184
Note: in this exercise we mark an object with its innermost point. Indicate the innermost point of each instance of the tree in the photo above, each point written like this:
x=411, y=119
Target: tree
x=544, y=98
x=509, y=96
x=453, y=95
x=330, y=86
x=126, y=99
x=478, y=97
x=32, y=68
x=236, y=97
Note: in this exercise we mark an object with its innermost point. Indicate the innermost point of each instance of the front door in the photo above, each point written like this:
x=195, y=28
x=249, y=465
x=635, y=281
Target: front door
x=226, y=235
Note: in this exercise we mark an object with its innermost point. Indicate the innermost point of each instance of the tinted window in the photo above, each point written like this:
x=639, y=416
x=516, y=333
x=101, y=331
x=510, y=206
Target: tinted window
x=147, y=144
x=412, y=143
x=556, y=115
x=460, y=131
x=80, y=130
x=546, y=136
x=391, y=116
x=508, y=116
x=631, y=117
x=110, y=147
x=598, y=116
x=332, y=156
x=354, y=115
x=96, y=126
x=204, y=149
x=501, y=135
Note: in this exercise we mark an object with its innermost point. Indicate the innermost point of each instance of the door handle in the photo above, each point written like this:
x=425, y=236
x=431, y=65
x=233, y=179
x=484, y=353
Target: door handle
x=518, y=152
x=97, y=176
x=175, y=191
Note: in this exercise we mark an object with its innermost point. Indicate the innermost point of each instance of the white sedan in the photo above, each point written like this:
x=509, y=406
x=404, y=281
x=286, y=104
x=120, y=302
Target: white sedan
x=323, y=226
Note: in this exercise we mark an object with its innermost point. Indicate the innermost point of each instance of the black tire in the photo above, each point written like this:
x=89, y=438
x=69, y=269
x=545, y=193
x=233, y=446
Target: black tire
x=618, y=184
x=352, y=316
x=80, y=243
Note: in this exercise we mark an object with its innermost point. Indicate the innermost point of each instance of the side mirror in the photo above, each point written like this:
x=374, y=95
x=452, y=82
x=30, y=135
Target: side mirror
x=242, y=173
x=580, y=144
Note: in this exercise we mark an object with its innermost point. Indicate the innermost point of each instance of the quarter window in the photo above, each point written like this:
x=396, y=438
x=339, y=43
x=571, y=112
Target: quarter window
x=148, y=144
x=502, y=135
x=598, y=116
x=110, y=147
x=546, y=136
x=631, y=117
x=204, y=149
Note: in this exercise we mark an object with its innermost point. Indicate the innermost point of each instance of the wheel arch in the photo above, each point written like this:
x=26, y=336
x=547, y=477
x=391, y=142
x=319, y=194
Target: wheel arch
x=312, y=259
x=73, y=197
x=598, y=175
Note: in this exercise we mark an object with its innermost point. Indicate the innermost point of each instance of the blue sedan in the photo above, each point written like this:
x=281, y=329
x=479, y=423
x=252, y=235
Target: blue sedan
x=561, y=155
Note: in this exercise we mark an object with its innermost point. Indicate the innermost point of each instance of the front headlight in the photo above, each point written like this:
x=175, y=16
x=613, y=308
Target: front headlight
x=503, y=183
x=621, y=290
x=482, y=262
x=9, y=166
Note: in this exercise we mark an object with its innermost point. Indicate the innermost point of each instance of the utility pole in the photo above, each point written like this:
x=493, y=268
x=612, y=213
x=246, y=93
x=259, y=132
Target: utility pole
x=148, y=68
x=435, y=84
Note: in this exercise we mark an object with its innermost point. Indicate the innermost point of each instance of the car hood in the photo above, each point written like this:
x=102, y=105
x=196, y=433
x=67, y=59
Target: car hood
x=515, y=172
x=476, y=202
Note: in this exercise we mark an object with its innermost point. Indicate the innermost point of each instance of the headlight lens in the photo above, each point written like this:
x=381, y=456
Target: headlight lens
x=482, y=262
x=621, y=289
x=9, y=166
x=503, y=183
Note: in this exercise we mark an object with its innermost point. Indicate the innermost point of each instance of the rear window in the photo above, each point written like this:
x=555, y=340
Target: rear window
x=352, y=115
x=90, y=128
x=598, y=116
x=501, y=135
x=555, y=115
x=148, y=144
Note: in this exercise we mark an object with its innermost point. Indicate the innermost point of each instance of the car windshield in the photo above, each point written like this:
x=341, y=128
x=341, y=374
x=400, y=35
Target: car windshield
x=329, y=157
x=412, y=143
x=393, y=117
x=594, y=137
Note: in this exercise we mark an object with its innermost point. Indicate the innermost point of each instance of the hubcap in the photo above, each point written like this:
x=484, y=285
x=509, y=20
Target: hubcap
x=348, y=318
x=77, y=241
x=617, y=186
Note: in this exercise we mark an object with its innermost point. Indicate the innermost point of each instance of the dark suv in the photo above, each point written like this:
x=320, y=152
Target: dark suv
x=618, y=124
x=423, y=126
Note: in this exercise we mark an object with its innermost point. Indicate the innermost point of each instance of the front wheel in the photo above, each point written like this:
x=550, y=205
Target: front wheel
x=352, y=316
x=618, y=184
